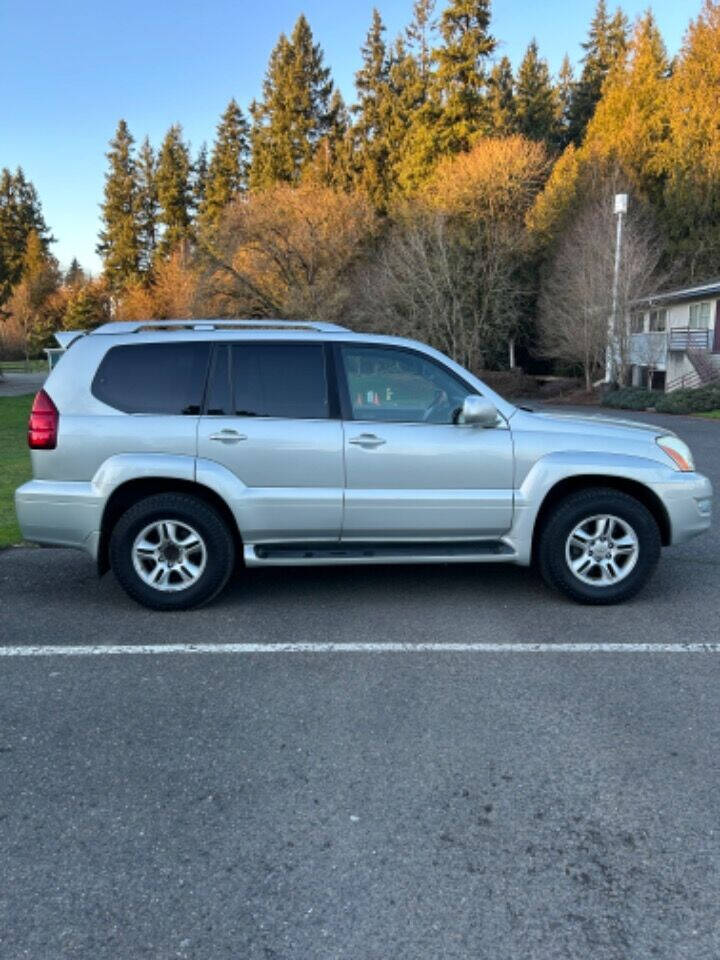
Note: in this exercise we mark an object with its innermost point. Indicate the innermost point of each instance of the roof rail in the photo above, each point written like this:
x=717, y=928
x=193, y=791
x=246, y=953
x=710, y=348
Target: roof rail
x=135, y=326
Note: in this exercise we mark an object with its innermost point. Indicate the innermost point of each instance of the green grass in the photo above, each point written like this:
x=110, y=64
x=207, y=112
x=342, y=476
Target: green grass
x=710, y=415
x=14, y=462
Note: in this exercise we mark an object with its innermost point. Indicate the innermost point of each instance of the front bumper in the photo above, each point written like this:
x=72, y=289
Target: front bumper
x=60, y=514
x=688, y=500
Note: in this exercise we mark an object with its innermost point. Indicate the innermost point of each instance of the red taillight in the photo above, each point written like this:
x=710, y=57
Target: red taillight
x=43, y=425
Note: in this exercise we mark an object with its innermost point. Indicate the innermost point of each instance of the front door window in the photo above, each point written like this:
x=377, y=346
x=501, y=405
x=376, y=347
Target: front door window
x=397, y=386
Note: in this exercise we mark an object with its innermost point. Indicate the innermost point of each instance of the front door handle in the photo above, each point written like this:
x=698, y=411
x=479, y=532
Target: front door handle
x=228, y=436
x=367, y=440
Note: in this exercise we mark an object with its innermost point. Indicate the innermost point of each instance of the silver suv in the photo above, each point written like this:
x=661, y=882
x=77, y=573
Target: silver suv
x=170, y=451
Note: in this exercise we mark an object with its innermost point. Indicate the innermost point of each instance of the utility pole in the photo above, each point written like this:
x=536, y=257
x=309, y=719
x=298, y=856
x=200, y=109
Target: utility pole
x=621, y=205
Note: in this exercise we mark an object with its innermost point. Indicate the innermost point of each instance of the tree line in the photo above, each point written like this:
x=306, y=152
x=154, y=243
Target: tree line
x=446, y=202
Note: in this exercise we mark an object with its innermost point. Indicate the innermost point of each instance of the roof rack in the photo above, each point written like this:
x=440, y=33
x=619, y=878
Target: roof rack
x=133, y=326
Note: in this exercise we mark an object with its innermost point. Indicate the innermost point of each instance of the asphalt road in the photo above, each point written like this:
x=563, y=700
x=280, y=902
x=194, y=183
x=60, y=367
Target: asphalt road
x=370, y=806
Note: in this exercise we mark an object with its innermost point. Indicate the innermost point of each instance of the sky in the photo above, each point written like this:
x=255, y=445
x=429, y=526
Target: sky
x=70, y=69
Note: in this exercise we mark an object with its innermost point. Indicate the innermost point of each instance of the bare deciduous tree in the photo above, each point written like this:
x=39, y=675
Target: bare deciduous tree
x=576, y=299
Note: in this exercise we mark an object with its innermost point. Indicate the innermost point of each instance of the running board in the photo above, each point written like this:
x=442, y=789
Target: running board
x=404, y=552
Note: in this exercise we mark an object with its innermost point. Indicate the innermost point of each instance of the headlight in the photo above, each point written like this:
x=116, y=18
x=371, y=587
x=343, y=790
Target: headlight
x=678, y=451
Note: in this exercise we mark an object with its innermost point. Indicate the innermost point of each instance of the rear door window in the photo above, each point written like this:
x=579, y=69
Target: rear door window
x=284, y=380
x=156, y=378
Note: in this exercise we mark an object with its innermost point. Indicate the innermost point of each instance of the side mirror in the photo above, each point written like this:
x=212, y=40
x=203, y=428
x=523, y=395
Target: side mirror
x=477, y=411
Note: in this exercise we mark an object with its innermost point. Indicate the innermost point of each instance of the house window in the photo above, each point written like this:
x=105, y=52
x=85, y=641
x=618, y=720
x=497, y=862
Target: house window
x=658, y=320
x=700, y=315
x=637, y=322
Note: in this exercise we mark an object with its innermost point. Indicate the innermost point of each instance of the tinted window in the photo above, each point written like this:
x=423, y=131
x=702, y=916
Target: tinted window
x=153, y=377
x=398, y=385
x=271, y=380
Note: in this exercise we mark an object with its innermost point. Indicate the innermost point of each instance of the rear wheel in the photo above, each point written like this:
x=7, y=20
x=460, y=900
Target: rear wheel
x=172, y=551
x=599, y=546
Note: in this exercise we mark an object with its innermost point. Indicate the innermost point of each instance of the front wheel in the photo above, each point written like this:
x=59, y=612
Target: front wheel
x=172, y=551
x=599, y=546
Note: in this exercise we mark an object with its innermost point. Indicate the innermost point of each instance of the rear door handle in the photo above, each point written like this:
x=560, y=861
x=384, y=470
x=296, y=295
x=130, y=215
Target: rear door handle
x=367, y=440
x=228, y=436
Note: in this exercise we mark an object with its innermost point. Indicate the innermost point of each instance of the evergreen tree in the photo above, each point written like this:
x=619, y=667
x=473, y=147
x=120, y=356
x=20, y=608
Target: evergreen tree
x=407, y=97
x=564, y=90
x=501, y=98
x=199, y=178
x=119, y=244
x=333, y=163
x=146, y=206
x=692, y=158
x=75, y=275
x=295, y=112
x=372, y=112
x=20, y=214
x=227, y=171
x=87, y=307
x=174, y=193
x=606, y=42
x=30, y=302
x=631, y=120
x=455, y=108
x=419, y=37
x=461, y=74
x=535, y=99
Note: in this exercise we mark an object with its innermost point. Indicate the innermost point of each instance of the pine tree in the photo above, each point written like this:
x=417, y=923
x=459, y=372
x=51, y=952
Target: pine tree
x=75, y=275
x=461, y=73
x=607, y=40
x=419, y=35
x=564, y=90
x=146, y=206
x=333, y=164
x=294, y=114
x=692, y=158
x=535, y=99
x=631, y=120
x=501, y=99
x=20, y=214
x=227, y=171
x=372, y=112
x=119, y=244
x=199, y=178
x=455, y=109
x=174, y=193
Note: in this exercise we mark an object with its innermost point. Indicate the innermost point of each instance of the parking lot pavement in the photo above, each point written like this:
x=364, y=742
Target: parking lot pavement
x=362, y=805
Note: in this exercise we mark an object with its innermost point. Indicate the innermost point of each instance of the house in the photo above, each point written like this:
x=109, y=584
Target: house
x=675, y=338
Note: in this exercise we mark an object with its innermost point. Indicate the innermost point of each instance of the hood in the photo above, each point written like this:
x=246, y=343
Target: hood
x=594, y=423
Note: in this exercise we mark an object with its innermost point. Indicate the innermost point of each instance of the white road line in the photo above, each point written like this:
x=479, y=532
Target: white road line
x=152, y=649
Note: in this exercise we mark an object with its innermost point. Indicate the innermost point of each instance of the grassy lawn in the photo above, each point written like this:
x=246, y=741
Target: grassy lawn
x=710, y=415
x=14, y=461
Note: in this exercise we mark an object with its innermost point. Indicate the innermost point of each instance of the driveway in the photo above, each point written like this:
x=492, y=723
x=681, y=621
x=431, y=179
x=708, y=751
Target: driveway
x=477, y=804
x=16, y=384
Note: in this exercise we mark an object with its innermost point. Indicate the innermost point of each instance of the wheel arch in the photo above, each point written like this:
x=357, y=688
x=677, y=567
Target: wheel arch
x=633, y=488
x=128, y=493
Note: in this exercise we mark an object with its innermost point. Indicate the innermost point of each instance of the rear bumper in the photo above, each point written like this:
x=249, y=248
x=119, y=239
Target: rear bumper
x=60, y=514
x=688, y=501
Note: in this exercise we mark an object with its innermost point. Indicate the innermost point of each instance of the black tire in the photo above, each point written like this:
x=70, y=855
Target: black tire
x=202, y=518
x=563, y=520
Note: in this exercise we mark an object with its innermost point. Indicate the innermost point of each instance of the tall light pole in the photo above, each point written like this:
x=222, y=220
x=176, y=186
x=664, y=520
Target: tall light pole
x=621, y=205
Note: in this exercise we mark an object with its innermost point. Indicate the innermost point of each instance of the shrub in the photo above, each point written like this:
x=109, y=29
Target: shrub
x=700, y=400
x=632, y=398
x=510, y=383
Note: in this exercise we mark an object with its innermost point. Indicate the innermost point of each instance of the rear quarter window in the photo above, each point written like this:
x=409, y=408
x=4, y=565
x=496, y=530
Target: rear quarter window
x=153, y=377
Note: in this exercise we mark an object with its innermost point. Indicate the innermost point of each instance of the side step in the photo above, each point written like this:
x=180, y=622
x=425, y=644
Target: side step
x=403, y=552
